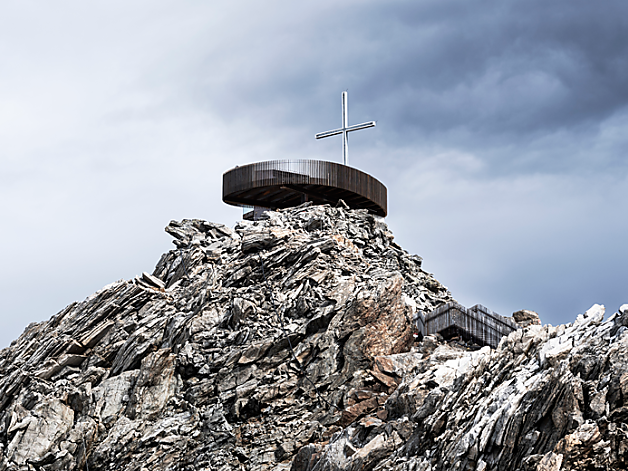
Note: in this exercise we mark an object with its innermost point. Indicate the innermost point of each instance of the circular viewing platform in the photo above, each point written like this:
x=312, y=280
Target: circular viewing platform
x=288, y=183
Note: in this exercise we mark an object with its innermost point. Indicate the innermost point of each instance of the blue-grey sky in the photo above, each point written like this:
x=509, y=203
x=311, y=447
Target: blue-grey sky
x=502, y=135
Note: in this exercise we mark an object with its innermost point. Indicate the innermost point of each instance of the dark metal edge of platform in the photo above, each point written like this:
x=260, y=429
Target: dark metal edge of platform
x=324, y=181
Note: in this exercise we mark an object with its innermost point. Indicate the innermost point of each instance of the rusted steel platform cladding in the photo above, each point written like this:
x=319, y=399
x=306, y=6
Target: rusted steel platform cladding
x=476, y=323
x=286, y=183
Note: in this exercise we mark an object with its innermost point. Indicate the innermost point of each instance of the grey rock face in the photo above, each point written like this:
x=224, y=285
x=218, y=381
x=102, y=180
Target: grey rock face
x=287, y=343
x=190, y=367
x=548, y=398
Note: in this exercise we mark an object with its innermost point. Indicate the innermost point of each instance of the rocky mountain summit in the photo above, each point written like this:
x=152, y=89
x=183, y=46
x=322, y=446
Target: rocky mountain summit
x=287, y=344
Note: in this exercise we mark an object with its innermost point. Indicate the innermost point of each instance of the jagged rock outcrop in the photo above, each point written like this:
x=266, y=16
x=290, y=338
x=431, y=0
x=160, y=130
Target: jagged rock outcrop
x=549, y=398
x=288, y=343
x=192, y=367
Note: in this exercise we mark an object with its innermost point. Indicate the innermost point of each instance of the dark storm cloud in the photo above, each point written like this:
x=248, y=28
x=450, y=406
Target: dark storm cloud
x=514, y=67
x=481, y=74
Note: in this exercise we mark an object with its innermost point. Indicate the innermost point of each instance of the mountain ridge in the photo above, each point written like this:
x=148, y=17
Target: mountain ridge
x=288, y=343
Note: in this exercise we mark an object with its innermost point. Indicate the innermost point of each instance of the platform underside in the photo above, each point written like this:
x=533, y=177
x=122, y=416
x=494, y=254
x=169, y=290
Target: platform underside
x=283, y=196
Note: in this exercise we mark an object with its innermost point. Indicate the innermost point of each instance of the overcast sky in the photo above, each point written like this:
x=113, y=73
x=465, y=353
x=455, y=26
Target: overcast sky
x=502, y=136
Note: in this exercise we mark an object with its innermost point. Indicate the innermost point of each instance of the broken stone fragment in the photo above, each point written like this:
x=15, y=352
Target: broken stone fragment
x=40, y=432
x=254, y=353
x=154, y=387
x=525, y=318
x=152, y=281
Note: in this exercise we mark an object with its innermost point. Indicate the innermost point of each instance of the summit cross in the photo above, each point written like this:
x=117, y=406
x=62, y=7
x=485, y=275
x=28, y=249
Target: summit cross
x=345, y=129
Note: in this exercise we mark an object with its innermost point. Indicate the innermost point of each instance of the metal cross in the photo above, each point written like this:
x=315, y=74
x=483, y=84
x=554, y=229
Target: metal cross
x=345, y=129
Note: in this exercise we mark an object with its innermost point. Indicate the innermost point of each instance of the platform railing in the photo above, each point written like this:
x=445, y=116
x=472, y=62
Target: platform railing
x=304, y=172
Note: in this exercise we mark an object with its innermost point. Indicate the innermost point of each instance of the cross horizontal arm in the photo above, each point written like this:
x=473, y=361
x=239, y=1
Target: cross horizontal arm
x=321, y=135
x=357, y=127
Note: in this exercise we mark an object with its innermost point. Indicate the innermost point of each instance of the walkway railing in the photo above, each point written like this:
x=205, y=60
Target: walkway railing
x=477, y=323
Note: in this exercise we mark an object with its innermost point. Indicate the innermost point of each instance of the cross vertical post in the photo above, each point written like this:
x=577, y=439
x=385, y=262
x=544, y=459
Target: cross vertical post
x=345, y=125
x=345, y=129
